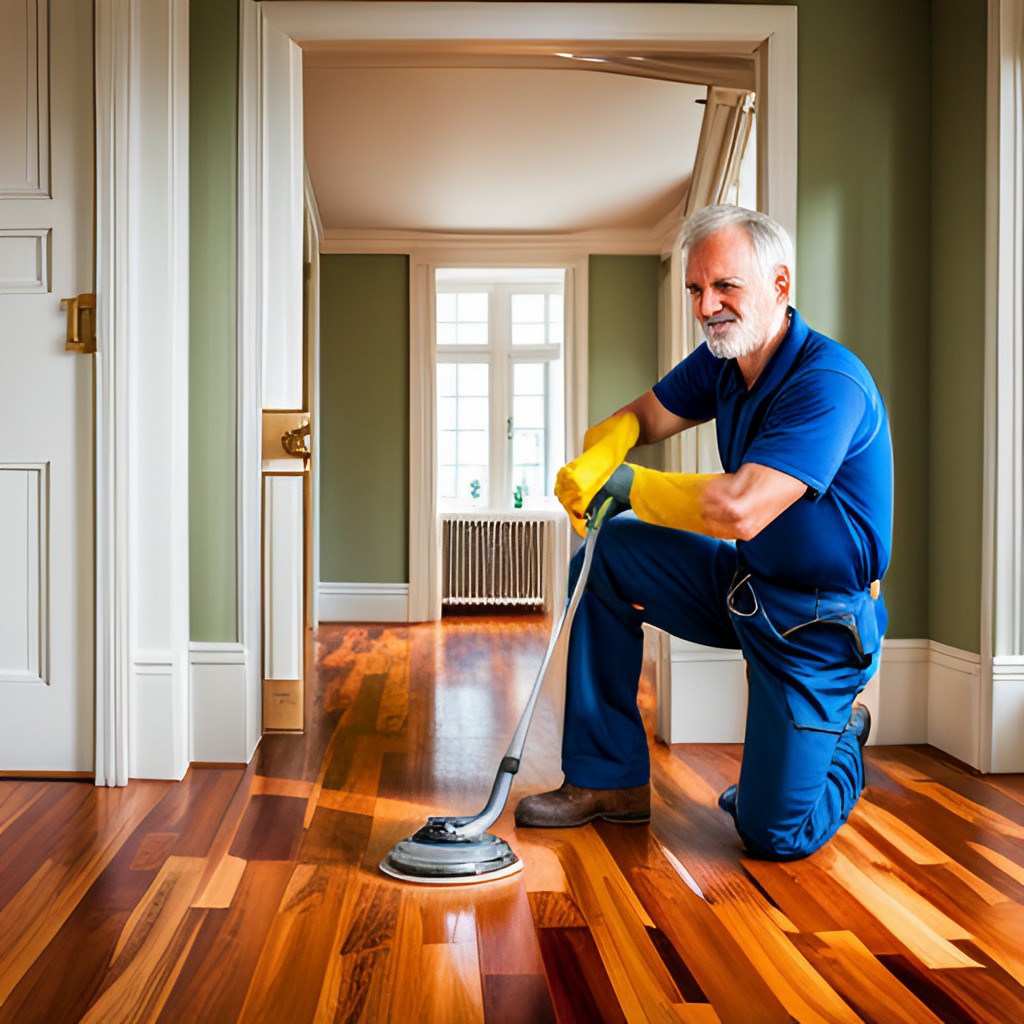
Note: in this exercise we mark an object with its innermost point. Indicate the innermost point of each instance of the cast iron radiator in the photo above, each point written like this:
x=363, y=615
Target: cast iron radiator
x=493, y=561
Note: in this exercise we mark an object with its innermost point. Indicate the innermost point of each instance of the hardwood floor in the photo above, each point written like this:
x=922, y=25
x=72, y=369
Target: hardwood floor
x=253, y=894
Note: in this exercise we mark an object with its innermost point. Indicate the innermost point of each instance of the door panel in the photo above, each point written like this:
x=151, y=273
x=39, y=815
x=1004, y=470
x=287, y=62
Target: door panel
x=46, y=393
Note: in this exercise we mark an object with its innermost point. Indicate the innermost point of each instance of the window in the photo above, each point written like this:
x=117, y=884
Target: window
x=499, y=336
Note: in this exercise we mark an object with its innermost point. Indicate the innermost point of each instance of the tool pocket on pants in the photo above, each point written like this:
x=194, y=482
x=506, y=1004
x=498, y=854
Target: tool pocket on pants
x=820, y=647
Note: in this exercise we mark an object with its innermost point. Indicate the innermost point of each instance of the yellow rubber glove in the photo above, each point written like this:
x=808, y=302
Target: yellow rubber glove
x=605, y=446
x=670, y=499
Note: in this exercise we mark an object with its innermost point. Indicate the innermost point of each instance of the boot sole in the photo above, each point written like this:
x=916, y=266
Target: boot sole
x=615, y=819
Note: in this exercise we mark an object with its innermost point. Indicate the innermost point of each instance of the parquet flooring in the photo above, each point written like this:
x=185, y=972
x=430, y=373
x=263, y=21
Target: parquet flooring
x=253, y=894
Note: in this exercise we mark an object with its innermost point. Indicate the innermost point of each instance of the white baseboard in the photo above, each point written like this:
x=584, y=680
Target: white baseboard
x=924, y=692
x=220, y=704
x=363, y=602
x=954, y=703
x=1008, y=714
x=159, y=742
x=709, y=694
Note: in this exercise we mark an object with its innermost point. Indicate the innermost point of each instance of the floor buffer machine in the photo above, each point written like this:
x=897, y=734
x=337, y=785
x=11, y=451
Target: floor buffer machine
x=458, y=851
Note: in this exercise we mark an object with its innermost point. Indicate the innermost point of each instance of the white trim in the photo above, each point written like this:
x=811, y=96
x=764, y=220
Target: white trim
x=1008, y=714
x=364, y=602
x=621, y=243
x=249, y=358
x=219, y=704
x=424, y=535
x=1002, y=598
x=112, y=607
x=141, y=388
x=35, y=271
x=924, y=692
x=312, y=342
x=35, y=184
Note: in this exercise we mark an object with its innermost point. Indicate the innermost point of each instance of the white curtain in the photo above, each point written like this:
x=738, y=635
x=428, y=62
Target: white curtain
x=725, y=132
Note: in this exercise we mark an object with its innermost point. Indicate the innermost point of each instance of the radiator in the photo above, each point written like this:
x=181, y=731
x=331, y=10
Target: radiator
x=493, y=561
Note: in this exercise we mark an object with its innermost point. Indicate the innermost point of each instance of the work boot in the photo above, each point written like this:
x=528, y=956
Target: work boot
x=569, y=806
x=727, y=801
x=860, y=723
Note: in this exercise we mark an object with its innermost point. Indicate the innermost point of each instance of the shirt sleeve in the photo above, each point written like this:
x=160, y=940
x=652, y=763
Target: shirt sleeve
x=811, y=427
x=688, y=389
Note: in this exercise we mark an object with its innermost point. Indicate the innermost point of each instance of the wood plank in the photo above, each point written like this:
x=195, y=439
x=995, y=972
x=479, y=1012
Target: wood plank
x=254, y=893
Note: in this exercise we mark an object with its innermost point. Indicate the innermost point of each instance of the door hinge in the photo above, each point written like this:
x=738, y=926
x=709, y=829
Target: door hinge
x=81, y=323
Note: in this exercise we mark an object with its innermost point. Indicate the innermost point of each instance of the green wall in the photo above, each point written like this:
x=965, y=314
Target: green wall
x=623, y=326
x=863, y=242
x=890, y=238
x=213, y=172
x=956, y=380
x=364, y=419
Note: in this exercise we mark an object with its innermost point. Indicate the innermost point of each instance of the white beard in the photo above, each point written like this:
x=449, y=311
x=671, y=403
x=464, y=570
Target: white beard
x=731, y=339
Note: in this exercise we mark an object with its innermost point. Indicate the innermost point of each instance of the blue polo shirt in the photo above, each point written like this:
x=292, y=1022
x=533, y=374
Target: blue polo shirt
x=814, y=413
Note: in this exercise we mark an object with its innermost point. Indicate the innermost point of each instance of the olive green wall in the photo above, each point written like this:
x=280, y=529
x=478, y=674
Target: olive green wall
x=213, y=172
x=890, y=236
x=623, y=329
x=364, y=419
x=863, y=236
x=956, y=382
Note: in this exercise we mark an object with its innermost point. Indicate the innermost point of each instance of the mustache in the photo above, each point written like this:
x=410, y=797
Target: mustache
x=721, y=318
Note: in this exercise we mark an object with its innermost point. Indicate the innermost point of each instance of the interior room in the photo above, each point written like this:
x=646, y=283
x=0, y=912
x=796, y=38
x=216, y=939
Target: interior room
x=353, y=279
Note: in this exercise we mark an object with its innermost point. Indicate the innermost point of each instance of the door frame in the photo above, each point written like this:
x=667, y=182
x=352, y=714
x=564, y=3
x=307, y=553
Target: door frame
x=141, y=432
x=768, y=32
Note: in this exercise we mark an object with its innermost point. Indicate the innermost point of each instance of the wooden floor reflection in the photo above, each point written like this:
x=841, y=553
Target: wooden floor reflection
x=253, y=894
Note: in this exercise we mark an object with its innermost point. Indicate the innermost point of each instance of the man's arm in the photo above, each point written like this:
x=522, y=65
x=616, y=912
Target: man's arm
x=656, y=422
x=738, y=506
x=730, y=506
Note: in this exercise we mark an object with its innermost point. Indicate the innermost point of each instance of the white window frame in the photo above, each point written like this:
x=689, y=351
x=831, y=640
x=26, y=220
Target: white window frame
x=424, y=536
x=501, y=355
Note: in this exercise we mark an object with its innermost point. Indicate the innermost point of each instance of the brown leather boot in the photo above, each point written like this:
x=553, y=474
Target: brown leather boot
x=570, y=806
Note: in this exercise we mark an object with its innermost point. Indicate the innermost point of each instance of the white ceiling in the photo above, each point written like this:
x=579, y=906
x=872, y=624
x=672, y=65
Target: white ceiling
x=495, y=150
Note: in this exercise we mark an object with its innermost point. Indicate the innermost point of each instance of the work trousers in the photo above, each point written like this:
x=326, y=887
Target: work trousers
x=808, y=654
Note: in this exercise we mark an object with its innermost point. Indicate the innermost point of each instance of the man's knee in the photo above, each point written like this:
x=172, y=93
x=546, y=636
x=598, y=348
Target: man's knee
x=766, y=840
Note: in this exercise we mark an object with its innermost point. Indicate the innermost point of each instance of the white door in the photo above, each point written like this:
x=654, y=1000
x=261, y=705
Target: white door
x=46, y=393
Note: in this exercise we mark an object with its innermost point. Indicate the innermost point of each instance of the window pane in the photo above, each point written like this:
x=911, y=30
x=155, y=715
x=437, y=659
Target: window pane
x=473, y=378
x=473, y=447
x=471, y=334
x=445, y=334
x=529, y=334
x=528, y=412
x=528, y=379
x=528, y=309
x=447, y=447
x=446, y=378
x=465, y=478
x=531, y=478
x=447, y=412
x=472, y=306
x=445, y=306
x=446, y=481
x=473, y=413
x=556, y=304
x=527, y=447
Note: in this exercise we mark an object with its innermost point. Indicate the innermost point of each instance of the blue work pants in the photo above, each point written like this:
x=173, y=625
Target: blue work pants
x=808, y=655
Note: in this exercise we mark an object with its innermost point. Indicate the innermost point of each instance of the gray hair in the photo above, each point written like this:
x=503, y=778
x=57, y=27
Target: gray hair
x=771, y=242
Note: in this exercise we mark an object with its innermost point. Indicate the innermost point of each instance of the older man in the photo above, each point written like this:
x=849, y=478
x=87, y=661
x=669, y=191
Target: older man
x=780, y=555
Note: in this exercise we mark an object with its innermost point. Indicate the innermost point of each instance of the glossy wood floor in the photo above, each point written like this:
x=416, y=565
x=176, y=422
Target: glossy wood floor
x=254, y=894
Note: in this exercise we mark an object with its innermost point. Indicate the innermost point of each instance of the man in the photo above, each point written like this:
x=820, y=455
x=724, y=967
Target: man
x=781, y=555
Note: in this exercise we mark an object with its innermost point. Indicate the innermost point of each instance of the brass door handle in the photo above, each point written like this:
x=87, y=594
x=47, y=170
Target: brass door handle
x=292, y=441
x=81, y=323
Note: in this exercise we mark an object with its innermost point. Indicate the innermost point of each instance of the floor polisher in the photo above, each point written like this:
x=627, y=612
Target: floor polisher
x=458, y=851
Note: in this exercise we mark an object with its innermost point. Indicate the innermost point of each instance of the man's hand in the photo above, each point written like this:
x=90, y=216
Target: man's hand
x=616, y=487
x=579, y=481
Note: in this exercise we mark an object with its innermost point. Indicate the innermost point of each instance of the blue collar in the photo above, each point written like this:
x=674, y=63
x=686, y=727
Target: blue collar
x=778, y=366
